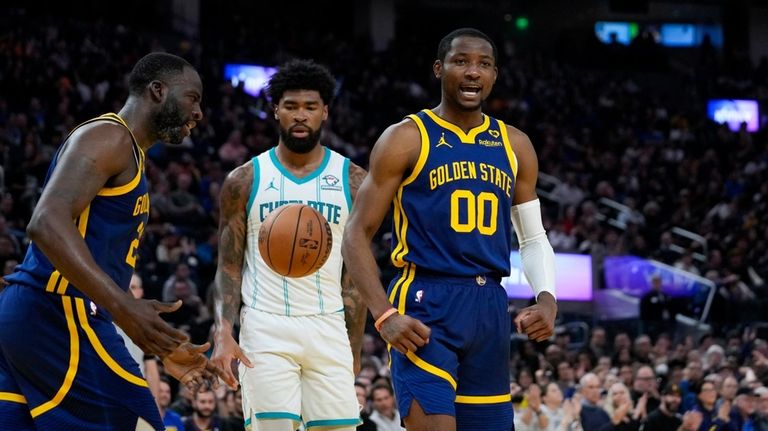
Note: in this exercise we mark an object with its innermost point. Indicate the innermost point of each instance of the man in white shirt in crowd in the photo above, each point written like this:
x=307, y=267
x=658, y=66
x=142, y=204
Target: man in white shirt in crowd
x=385, y=415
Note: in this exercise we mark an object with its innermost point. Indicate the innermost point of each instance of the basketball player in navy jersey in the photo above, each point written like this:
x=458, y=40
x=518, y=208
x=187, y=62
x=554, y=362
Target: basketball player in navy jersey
x=300, y=337
x=456, y=177
x=63, y=365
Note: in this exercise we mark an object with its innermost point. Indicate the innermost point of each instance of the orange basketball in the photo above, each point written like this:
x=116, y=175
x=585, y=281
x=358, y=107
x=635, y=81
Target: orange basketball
x=295, y=240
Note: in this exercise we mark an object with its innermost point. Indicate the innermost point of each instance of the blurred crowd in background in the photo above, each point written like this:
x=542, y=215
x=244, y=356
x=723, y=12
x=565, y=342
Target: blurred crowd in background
x=602, y=130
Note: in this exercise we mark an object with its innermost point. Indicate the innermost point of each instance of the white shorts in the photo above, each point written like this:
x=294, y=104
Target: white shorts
x=302, y=369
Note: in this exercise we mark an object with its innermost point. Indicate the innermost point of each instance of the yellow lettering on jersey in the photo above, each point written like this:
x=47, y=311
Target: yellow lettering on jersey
x=462, y=170
x=497, y=177
x=142, y=205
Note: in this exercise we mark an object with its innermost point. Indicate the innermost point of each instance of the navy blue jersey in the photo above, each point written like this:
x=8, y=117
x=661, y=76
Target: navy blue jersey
x=452, y=213
x=111, y=225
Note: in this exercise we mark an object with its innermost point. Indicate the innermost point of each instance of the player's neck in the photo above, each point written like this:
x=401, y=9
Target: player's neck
x=136, y=120
x=466, y=120
x=300, y=163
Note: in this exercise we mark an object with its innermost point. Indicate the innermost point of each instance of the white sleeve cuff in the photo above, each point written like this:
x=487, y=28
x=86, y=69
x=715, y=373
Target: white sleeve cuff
x=536, y=254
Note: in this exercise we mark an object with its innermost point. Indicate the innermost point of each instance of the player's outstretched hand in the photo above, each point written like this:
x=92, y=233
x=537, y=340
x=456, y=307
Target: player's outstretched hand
x=538, y=320
x=404, y=333
x=140, y=320
x=188, y=365
x=225, y=352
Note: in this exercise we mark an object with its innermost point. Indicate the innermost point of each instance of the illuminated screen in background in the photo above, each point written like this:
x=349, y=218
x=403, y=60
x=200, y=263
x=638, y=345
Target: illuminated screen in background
x=253, y=77
x=671, y=35
x=678, y=35
x=624, y=31
x=734, y=112
x=632, y=275
x=573, y=278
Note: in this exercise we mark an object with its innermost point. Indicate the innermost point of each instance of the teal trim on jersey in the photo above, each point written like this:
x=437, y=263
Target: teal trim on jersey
x=345, y=176
x=278, y=415
x=285, y=295
x=247, y=422
x=333, y=422
x=254, y=187
x=314, y=174
x=340, y=310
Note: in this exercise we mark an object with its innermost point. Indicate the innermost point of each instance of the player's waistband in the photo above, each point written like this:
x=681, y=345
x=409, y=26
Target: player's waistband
x=426, y=274
x=72, y=293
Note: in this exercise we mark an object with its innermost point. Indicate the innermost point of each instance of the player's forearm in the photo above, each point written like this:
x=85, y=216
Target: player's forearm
x=229, y=273
x=364, y=271
x=354, y=312
x=227, y=299
x=63, y=245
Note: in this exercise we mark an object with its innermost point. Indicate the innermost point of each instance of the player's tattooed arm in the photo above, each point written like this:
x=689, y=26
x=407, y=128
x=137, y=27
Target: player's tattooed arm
x=232, y=239
x=355, y=310
x=356, y=177
x=355, y=313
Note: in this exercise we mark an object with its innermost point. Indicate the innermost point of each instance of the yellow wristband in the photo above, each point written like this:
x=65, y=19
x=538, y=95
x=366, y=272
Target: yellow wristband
x=384, y=317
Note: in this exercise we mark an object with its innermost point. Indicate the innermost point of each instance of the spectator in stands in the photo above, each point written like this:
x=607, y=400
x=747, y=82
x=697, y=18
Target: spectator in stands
x=642, y=350
x=181, y=273
x=171, y=419
x=655, y=309
x=562, y=415
x=666, y=416
x=234, y=421
x=598, y=342
x=713, y=419
x=625, y=416
x=685, y=263
x=182, y=403
x=204, y=416
x=593, y=417
x=365, y=409
x=761, y=420
x=742, y=414
x=728, y=389
x=566, y=378
x=646, y=384
x=385, y=414
x=532, y=417
x=193, y=310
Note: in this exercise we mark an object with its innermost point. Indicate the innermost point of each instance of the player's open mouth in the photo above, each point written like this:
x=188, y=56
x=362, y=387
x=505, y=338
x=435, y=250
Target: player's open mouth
x=470, y=90
x=186, y=129
x=299, y=131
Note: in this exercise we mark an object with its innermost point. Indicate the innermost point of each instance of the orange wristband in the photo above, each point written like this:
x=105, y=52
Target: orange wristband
x=384, y=317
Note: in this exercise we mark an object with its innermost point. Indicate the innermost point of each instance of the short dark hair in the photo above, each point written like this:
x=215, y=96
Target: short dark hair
x=385, y=386
x=445, y=43
x=156, y=65
x=302, y=75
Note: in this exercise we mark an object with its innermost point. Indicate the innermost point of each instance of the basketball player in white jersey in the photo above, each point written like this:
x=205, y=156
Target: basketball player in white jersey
x=295, y=351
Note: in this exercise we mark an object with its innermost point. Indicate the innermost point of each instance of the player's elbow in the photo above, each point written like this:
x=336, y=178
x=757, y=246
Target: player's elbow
x=38, y=225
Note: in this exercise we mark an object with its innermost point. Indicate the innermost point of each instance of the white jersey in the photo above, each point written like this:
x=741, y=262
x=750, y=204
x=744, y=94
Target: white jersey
x=326, y=190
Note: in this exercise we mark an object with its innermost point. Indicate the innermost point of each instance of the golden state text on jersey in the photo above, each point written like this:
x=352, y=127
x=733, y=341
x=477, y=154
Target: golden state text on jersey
x=111, y=225
x=452, y=213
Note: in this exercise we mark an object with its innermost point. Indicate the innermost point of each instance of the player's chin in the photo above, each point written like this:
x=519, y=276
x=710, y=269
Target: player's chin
x=172, y=136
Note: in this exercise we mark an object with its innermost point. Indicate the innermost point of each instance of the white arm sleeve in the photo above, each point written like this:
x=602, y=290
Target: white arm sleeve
x=536, y=253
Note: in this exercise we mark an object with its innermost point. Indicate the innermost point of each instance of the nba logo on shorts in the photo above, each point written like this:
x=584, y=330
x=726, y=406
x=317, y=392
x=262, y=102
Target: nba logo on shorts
x=419, y=294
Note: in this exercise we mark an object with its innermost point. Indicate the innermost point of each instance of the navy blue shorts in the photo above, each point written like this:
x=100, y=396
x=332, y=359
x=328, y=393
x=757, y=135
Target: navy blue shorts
x=464, y=370
x=63, y=368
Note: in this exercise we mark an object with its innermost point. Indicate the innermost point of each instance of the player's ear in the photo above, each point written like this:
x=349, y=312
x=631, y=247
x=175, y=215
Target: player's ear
x=275, y=106
x=437, y=68
x=158, y=90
